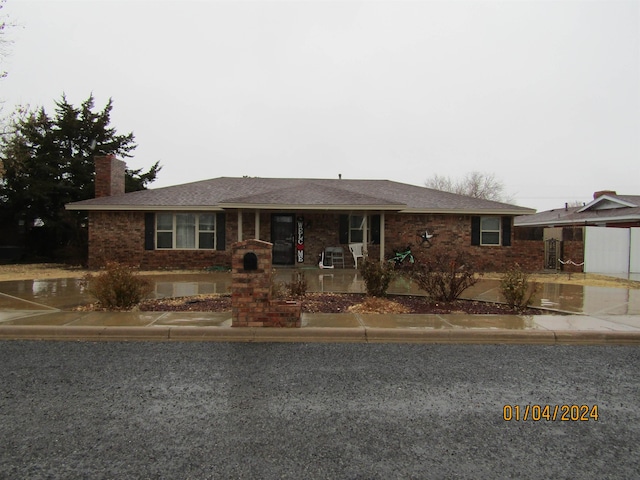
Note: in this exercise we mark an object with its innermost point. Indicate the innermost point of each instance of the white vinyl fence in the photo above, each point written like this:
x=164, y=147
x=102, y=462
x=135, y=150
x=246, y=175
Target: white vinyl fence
x=634, y=253
x=612, y=250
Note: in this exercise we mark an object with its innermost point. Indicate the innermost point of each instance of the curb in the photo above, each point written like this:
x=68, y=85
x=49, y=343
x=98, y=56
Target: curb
x=406, y=335
x=316, y=335
x=46, y=332
x=597, y=338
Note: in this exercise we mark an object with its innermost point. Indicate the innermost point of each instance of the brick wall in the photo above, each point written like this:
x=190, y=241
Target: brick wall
x=116, y=236
x=573, y=248
x=119, y=236
x=320, y=230
x=251, y=303
x=453, y=232
x=110, y=173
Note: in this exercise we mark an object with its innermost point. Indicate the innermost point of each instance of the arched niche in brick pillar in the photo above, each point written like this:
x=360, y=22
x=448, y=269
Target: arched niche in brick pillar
x=251, y=253
x=250, y=262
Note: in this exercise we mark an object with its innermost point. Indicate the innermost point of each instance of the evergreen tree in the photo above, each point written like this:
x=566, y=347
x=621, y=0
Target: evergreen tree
x=48, y=162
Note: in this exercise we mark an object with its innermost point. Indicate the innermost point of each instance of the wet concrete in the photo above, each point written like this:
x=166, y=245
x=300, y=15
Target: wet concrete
x=65, y=294
x=62, y=293
x=564, y=297
x=330, y=320
x=568, y=298
x=46, y=305
x=203, y=319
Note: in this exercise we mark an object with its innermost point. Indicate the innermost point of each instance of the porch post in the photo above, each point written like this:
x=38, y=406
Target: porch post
x=365, y=239
x=239, y=225
x=257, y=214
x=381, y=237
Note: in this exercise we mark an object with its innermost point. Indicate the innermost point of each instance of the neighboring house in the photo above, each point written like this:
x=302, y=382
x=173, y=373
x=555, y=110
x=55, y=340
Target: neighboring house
x=575, y=238
x=193, y=225
x=608, y=209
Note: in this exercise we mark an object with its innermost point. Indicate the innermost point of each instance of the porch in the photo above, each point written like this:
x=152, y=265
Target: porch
x=309, y=238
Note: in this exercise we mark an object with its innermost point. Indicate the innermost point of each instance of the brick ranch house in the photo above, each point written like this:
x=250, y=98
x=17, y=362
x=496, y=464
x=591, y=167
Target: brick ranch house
x=194, y=225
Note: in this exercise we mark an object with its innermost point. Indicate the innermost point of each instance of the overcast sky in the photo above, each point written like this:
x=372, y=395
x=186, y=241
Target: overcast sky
x=543, y=94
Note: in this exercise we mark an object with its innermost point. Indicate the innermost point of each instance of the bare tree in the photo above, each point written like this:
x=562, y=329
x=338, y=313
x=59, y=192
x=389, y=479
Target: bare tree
x=3, y=39
x=4, y=42
x=474, y=184
x=440, y=182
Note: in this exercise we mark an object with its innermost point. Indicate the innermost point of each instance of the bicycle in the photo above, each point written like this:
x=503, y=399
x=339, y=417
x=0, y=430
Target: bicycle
x=399, y=256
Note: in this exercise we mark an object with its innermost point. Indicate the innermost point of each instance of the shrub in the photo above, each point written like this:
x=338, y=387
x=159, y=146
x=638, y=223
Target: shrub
x=444, y=276
x=278, y=289
x=377, y=277
x=516, y=288
x=117, y=287
x=298, y=286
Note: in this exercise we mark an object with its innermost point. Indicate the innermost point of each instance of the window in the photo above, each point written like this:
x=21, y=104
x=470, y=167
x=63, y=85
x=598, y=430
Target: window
x=490, y=231
x=185, y=230
x=350, y=229
x=356, y=228
x=356, y=224
x=164, y=229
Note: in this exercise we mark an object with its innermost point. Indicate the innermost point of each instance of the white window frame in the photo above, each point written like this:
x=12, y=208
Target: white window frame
x=484, y=229
x=360, y=229
x=197, y=231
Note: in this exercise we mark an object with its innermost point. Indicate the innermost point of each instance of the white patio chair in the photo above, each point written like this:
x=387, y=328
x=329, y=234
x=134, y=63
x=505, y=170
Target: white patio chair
x=356, y=251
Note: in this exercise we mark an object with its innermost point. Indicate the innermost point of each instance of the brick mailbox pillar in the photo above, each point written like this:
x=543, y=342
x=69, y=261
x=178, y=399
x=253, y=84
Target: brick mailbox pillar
x=251, y=303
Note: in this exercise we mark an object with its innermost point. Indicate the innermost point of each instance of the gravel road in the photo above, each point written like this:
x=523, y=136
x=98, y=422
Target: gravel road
x=216, y=410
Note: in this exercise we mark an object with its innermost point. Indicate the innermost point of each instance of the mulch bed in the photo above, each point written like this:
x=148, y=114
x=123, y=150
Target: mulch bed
x=341, y=303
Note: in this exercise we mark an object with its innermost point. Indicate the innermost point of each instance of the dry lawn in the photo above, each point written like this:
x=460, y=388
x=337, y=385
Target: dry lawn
x=589, y=279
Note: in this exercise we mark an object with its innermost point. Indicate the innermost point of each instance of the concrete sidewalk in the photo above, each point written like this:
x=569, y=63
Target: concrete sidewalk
x=348, y=327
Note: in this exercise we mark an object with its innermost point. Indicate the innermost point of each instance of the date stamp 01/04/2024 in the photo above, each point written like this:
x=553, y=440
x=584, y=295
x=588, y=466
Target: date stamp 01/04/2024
x=550, y=413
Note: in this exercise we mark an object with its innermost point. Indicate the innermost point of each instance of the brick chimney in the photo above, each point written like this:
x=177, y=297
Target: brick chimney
x=603, y=192
x=109, y=176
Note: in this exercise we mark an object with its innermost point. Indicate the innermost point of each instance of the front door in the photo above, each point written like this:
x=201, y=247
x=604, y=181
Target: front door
x=283, y=239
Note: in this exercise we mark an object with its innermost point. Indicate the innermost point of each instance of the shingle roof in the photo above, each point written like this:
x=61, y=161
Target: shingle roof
x=276, y=193
x=605, y=209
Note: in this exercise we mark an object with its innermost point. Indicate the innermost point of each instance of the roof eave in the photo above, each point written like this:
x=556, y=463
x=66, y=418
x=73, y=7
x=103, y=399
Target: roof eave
x=619, y=201
x=506, y=212
x=246, y=206
x=144, y=208
x=580, y=223
x=293, y=206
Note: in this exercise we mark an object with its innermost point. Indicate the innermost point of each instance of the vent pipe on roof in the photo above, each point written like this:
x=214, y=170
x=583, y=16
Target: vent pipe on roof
x=339, y=176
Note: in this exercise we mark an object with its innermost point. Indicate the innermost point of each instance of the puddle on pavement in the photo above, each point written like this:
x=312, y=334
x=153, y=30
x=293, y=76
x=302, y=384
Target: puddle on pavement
x=61, y=293
x=67, y=293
